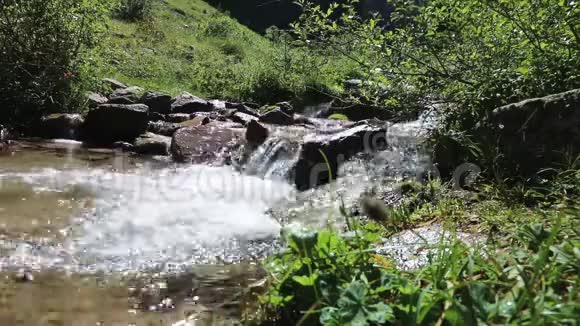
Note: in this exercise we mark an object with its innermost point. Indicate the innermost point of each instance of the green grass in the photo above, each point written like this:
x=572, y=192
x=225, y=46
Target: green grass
x=187, y=45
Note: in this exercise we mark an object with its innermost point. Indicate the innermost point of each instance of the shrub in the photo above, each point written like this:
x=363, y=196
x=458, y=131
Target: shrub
x=45, y=48
x=219, y=26
x=477, y=54
x=132, y=10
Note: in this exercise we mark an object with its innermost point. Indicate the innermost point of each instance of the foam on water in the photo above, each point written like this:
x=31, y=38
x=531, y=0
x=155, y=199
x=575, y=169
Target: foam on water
x=150, y=217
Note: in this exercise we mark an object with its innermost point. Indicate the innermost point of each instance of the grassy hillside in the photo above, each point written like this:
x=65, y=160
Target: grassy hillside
x=189, y=45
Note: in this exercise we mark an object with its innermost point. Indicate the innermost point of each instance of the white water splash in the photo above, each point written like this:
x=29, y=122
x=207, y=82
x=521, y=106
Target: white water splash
x=164, y=216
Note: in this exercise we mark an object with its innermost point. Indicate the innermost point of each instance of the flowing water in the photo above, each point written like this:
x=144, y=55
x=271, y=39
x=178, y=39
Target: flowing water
x=91, y=224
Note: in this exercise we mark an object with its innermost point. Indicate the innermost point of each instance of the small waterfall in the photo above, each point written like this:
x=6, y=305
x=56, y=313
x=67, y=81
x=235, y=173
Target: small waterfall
x=276, y=157
x=272, y=160
x=377, y=173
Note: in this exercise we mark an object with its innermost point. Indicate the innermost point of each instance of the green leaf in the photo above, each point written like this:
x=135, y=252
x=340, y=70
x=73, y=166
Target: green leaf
x=306, y=280
x=379, y=313
x=523, y=70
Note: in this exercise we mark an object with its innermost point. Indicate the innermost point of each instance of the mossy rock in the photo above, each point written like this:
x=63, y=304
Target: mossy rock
x=338, y=116
x=267, y=108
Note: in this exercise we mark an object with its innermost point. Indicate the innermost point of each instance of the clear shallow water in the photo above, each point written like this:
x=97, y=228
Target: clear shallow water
x=139, y=216
x=88, y=210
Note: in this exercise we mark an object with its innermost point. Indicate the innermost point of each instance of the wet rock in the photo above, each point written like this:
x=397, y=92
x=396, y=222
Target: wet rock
x=229, y=124
x=124, y=146
x=154, y=116
x=95, y=99
x=24, y=276
x=312, y=168
x=61, y=125
x=3, y=134
x=243, y=118
x=256, y=133
x=278, y=117
x=229, y=113
x=113, y=84
x=157, y=102
x=178, y=117
x=163, y=128
x=196, y=121
x=114, y=122
x=242, y=108
x=202, y=144
x=300, y=119
x=152, y=144
x=213, y=115
x=286, y=107
x=231, y=105
x=188, y=103
x=535, y=133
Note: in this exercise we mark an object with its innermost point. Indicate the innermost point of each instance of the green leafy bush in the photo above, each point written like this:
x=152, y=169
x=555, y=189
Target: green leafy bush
x=476, y=54
x=132, y=10
x=219, y=26
x=529, y=277
x=46, y=48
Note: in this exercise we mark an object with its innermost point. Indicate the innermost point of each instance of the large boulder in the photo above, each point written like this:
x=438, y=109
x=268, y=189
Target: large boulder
x=203, y=144
x=61, y=125
x=157, y=102
x=537, y=133
x=188, y=103
x=256, y=133
x=278, y=117
x=116, y=122
x=152, y=144
x=321, y=155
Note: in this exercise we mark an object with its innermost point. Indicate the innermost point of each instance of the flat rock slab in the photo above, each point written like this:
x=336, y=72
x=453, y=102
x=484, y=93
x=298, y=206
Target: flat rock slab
x=204, y=143
x=116, y=122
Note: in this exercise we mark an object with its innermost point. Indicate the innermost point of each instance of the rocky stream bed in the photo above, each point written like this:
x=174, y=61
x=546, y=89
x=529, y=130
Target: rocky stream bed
x=152, y=209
